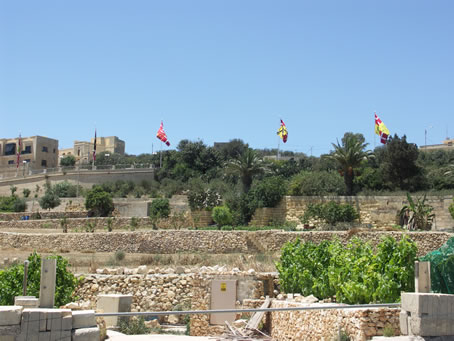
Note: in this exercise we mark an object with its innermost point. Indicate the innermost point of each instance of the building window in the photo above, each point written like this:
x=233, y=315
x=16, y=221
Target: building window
x=27, y=160
x=27, y=150
x=10, y=149
x=44, y=149
x=54, y=150
x=44, y=163
x=10, y=162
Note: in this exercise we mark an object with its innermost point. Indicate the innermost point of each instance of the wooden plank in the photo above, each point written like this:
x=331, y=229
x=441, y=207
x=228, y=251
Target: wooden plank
x=254, y=322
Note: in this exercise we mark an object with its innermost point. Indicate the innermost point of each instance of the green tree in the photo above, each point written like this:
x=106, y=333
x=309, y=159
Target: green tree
x=317, y=183
x=68, y=161
x=49, y=200
x=158, y=209
x=11, y=281
x=349, y=157
x=26, y=192
x=99, y=202
x=399, y=167
x=246, y=166
x=222, y=216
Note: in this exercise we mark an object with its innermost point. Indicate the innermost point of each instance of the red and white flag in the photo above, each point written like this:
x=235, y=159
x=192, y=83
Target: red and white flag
x=161, y=135
x=19, y=147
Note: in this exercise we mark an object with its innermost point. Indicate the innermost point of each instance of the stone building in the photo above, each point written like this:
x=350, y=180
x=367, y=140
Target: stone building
x=83, y=150
x=447, y=144
x=37, y=152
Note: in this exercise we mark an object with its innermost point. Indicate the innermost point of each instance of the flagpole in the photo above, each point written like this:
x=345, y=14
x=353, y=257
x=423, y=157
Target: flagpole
x=278, y=146
x=160, y=157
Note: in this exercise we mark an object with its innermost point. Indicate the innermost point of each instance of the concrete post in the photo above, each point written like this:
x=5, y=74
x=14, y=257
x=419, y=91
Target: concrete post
x=47, y=284
x=422, y=277
x=114, y=303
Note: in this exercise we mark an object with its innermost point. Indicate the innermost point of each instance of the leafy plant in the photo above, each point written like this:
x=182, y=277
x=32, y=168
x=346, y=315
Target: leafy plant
x=451, y=209
x=351, y=273
x=11, y=280
x=222, y=216
x=64, y=224
x=134, y=223
x=133, y=326
x=330, y=212
x=26, y=192
x=421, y=216
x=110, y=224
x=99, y=202
x=49, y=200
x=158, y=209
x=90, y=226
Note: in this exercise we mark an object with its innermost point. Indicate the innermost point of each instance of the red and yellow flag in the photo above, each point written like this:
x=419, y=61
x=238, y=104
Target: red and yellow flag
x=381, y=130
x=283, y=132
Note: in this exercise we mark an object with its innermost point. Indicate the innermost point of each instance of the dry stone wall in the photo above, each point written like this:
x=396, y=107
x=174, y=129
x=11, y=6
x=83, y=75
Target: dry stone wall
x=377, y=211
x=44, y=215
x=174, y=241
x=358, y=324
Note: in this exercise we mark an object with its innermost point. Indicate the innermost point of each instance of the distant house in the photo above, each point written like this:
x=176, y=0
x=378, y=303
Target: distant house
x=447, y=144
x=36, y=153
x=83, y=150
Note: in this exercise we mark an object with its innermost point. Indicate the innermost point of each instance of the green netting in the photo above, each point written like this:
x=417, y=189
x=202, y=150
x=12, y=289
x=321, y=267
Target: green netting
x=442, y=268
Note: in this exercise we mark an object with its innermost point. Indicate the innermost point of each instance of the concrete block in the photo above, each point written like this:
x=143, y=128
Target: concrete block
x=44, y=336
x=403, y=319
x=420, y=304
x=10, y=315
x=26, y=301
x=7, y=338
x=66, y=335
x=31, y=316
x=83, y=319
x=428, y=326
x=55, y=335
x=54, y=319
x=10, y=330
x=85, y=334
x=113, y=303
x=67, y=323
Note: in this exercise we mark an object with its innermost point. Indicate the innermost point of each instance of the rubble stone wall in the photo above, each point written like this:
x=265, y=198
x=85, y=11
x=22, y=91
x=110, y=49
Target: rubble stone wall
x=377, y=211
x=358, y=324
x=174, y=241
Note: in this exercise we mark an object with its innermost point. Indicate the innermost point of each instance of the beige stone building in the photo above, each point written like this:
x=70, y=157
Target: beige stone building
x=83, y=150
x=37, y=152
x=447, y=144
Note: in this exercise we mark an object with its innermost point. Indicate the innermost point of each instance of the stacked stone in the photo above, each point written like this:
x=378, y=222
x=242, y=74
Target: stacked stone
x=29, y=324
x=358, y=324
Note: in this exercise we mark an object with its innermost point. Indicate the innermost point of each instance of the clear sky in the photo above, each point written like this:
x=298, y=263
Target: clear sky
x=217, y=70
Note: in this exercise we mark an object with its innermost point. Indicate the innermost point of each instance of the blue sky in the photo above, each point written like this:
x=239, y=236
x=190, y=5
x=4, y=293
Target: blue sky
x=217, y=70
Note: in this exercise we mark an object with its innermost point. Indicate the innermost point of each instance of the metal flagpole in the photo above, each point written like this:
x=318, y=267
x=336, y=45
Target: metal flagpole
x=160, y=157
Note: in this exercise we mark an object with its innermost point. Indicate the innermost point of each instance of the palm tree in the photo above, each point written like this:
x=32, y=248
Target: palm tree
x=246, y=165
x=349, y=157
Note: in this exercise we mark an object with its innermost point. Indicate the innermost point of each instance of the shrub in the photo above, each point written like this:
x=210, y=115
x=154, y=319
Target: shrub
x=65, y=190
x=11, y=281
x=49, y=200
x=133, y=326
x=26, y=192
x=222, y=216
x=268, y=192
x=200, y=199
x=68, y=161
x=330, y=212
x=12, y=204
x=119, y=255
x=64, y=225
x=99, y=202
x=422, y=216
x=158, y=209
x=353, y=273
x=110, y=224
x=317, y=183
x=134, y=223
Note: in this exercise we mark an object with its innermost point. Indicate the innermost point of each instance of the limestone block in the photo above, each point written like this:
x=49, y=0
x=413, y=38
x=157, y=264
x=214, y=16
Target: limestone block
x=30, y=320
x=429, y=326
x=10, y=315
x=7, y=338
x=55, y=335
x=113, y=303
x=26, y=301
x=427, y=303
x=67, y=323
x=65, y=335
x=403, y=319
x=44, y=336
x=83, y=319
x=85, y=334
x=10, y=330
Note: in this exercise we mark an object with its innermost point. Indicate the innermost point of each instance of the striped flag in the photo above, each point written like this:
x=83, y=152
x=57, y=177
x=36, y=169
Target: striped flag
x=381, y=130
x=161, y=135
x=283, y=132
x=19, y=147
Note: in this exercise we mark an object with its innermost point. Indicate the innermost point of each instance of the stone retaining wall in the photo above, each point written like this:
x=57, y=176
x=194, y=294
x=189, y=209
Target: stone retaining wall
x=44, y=215
x=378, y=211
x=174, y=241
x=358, y=324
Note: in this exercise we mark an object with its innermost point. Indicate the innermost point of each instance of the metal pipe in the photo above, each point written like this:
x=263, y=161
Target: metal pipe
x=24, y=283
x=220, y=311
